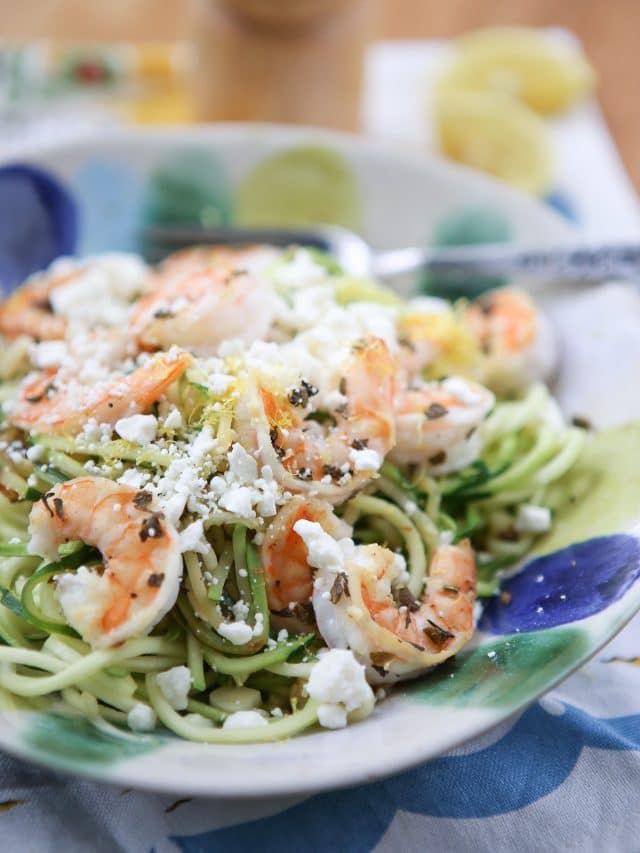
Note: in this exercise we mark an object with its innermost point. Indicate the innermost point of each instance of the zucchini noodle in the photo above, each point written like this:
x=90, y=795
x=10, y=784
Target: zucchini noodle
x=282, y=416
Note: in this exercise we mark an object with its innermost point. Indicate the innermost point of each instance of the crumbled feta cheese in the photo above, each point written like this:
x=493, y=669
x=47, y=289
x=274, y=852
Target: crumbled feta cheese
x=192, y=538
x=35, y=453
x=323, y=551
x=533, y=519
x=238, y=501
x=242, y=466
x=332, y=716
x=219, y=383
x=49, y=353
x=141, y=718
x=101, y=291
x=173, y=419
x=244, y=720
x=366, y=459
x=174, y=685
x=132, y=477
x=237, y=633
x=337, y=679
x=138, y=429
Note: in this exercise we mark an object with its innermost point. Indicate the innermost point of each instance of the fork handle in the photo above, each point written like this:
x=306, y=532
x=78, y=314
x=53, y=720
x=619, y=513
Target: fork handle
x=580, y=263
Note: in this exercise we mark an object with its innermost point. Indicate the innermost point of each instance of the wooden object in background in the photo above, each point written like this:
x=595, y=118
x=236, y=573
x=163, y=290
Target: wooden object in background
x=294, y=61
x=608, y=30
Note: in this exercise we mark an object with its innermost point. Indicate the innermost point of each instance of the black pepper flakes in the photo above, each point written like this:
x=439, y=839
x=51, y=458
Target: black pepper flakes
x=142, y=500
x=407, y=599
x=581, y=422
x=436, y=633
x=360, y=443
x=438, y=458
x=163, y=314
x=151, y=527
x=45, y=501
x=58, y=506
x=436, y=410
x=155, y=579
x=332, y=471
x=339, y=588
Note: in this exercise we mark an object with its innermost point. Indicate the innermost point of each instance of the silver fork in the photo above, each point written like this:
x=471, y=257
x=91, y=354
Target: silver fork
x=574, y=262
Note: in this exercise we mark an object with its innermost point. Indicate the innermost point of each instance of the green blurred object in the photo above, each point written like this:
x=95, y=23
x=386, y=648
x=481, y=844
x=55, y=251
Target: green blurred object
x=189, y=188
x=302, y=185
x=466, y=227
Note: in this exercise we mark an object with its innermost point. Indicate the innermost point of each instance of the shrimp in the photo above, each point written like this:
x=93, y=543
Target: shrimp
x=52, y=402
x=201, y=298
x=516, y=338
x=438, y=424
x=96, y=291
x=288, y=575
x=28, y=311
x=332, y=451
x=363, y=604
x=142, y=562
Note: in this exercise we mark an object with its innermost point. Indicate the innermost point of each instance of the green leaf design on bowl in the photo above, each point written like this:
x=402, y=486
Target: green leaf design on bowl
x=70, y=740
x=504, y=671
x=301, y=185
x=467, y=226
x=189, y=188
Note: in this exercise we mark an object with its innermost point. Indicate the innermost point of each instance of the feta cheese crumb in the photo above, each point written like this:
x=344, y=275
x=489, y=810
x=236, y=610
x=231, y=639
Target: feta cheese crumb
x=174, y=685
x=192, y=538
x=35, y=453
x=174, y=419
x=244, y=720
x=332, y=716
x=323, y=551
x=237, y=633
x=138, y=429
x=141, y=718
x=338, y=682
x=242, y=466
x=533, y=519
x=238, y=501
x=366, y=459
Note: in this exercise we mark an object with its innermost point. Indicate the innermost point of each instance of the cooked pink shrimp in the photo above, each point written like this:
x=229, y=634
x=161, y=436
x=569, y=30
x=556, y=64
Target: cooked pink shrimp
x=97, y=290
x=28, y=310
x=363, y=605
x=329, y=453
x=54, y=402
x=142, y=563
x=438, y=423
x=516, y=338
x=288, y=575
x=201, y=298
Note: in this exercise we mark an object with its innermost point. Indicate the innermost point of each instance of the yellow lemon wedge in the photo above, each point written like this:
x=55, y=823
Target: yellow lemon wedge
x=544, y=72
x=496, y=134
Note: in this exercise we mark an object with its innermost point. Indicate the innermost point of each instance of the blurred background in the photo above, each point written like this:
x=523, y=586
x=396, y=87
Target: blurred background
x=184, y=60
